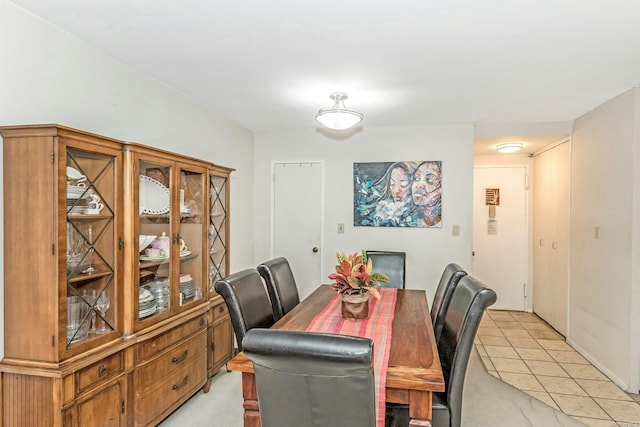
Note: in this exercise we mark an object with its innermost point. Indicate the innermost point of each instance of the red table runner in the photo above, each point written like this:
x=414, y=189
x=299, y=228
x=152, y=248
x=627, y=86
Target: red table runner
x=376, y=327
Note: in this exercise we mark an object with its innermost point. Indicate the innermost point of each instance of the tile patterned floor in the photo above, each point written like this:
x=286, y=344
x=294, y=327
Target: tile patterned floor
x=524, y=351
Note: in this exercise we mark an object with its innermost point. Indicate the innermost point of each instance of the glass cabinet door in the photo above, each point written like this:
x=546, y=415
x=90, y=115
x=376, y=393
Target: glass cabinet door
x=170, y=230
x=191, y=235
x=217, y=232
x=155, y=240
x=91, y=245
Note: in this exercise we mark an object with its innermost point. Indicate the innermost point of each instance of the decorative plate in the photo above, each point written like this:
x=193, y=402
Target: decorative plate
x=154, y=197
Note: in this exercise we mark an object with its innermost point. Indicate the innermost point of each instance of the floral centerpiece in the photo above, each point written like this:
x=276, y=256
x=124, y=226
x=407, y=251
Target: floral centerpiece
x=355, y=281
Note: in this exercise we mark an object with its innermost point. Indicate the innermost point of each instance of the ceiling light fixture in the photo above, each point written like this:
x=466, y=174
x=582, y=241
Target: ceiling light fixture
x=338, y=117
x=509, y=147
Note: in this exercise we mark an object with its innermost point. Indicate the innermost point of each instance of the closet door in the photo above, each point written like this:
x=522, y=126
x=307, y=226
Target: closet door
x=560, y=245
x=551, y=236
x=542, y=227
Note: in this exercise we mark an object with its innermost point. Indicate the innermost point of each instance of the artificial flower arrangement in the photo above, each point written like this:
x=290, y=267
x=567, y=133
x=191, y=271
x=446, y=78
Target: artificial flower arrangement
x=353, y=275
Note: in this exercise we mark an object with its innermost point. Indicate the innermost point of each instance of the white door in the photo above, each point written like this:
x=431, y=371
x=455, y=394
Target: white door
x=551, y=235
x=500, y=233
x=297, y=221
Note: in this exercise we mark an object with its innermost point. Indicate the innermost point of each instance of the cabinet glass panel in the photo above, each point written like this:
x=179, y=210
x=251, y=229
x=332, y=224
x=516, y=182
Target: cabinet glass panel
x=217, y=230
x=90, y=245
x=192, y=211
x=154, y=239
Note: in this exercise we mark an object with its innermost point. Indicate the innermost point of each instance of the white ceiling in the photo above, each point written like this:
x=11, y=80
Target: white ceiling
x=270, y=65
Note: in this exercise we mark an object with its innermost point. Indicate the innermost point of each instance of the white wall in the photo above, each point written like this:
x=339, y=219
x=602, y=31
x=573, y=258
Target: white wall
x=47, y=76
x=604, y=319
x=428, y=250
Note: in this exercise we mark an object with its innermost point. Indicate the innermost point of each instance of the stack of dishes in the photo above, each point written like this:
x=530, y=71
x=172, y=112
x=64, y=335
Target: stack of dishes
x=76, y=191
x=159, y=288
x=186, y=287
x=147, y=303
x=75, y=206
x=77, y=198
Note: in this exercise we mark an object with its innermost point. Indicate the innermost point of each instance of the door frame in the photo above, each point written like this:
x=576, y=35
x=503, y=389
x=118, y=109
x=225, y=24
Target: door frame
x=272, y=207
x=528, y=297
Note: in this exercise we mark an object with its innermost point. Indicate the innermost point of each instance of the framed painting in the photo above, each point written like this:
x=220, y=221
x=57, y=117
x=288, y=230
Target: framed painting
x=398, y=194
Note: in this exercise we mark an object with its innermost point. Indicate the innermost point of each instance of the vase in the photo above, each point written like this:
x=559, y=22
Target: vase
x=355, y=307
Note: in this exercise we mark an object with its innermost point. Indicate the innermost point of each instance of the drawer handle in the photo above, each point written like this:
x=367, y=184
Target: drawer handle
x=180, y=359
x=102, y=371
x=220, y=309
x=202, y=321
x=182, y=384
x=213, y=347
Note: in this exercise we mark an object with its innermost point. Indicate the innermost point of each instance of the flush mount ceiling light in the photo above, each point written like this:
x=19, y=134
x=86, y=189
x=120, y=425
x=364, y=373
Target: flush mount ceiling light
x=509, y=147
x=338, y=117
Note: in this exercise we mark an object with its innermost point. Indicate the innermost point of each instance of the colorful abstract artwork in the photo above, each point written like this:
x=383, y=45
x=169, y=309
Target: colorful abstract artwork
x=397, y=194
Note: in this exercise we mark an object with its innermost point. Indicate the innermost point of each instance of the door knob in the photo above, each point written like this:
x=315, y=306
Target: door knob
x=315, y=249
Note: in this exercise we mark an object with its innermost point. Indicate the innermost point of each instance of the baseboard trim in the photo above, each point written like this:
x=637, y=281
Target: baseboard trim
x=596, y=363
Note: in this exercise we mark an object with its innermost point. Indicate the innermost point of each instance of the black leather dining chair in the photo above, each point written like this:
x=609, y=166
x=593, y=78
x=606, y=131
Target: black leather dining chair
x=247, y=301
x=469, y=301
x=448, y=281
x=390, y=263
x=281, y=285
x=312, y=379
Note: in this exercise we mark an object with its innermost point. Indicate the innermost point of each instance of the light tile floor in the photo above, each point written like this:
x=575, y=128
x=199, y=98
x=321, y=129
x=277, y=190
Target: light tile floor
x=524, y=351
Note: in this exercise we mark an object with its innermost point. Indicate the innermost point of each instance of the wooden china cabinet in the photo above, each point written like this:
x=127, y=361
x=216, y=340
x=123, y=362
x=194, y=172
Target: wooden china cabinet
x=110, y=249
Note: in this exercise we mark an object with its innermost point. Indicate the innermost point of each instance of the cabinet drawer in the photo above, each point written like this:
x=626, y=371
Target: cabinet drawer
x=151, y=373
x=217, y=312
x=158, y=344
x=170, y=391
x=101, y=371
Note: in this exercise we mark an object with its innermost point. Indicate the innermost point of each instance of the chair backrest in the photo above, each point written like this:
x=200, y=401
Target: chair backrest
x=281, y=286
x=390, y=263
x=312, y=379
x=247, y=301
x=448, y=282
x=470, y=299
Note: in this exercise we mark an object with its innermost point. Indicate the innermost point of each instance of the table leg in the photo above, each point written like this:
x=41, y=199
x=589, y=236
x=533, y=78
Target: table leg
x=420, y=408
x=250, y=395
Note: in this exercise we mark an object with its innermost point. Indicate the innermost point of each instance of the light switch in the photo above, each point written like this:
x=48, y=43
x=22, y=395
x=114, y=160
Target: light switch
x=456, y=230
x=340, y=228
x=596, y=232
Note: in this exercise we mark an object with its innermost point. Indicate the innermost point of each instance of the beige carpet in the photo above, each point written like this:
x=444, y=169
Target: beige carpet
x=491, y=402
x=488, y=402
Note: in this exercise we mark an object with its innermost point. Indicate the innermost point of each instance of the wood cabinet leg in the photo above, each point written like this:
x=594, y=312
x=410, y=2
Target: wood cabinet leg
x=207, y=386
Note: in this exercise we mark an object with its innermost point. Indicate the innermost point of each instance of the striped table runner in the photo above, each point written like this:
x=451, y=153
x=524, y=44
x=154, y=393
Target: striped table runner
x=377, y=327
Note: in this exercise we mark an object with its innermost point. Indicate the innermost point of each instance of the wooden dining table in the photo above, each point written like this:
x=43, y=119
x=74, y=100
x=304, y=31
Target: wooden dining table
x=413, y=372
